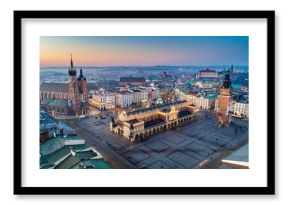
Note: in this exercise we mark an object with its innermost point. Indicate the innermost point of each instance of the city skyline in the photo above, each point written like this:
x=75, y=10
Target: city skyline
x=144, y=117
x=143, y=50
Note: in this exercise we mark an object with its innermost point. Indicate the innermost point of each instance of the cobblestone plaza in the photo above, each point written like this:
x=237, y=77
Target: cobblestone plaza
x=189, y=146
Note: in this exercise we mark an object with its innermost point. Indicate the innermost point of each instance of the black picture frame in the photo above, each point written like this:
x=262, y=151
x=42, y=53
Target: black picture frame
x=268, y=190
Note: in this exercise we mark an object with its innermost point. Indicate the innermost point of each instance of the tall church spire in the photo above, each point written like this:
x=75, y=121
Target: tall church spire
x=71, y=71
x=71, y=62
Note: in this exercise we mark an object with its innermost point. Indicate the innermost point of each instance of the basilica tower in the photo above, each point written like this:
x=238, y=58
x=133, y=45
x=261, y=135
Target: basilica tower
x=83, y=86
x=73, y=90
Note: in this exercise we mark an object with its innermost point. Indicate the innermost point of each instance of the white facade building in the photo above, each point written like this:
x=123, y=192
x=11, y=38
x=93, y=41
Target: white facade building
x=103, y=100
x=155, y=93
x=200, y=101
x=190, y=97
x=240, y=109
x=140, y=96
x=124, y=99
x=204, y=103
x=106, y=101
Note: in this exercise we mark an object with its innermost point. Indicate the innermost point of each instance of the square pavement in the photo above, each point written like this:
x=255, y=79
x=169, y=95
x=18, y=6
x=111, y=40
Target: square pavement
x=185, y=160
x=157, y=146
x=135, y=156
x=181, y=148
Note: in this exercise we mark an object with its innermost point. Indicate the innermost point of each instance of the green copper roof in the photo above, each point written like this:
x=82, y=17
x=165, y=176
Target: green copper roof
x=94, y=164
x=71, y=161
x=68, y=162
x=56, y=143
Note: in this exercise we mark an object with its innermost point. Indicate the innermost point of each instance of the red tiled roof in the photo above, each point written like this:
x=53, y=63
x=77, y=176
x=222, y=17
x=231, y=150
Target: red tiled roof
x=207, y=70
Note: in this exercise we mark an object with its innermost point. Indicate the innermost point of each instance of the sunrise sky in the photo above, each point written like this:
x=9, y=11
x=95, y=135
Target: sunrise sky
x=143, y=50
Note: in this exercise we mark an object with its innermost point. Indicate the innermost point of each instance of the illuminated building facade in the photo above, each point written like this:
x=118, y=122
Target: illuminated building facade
x=240, y=109
x=138, y=125
x=124, y=99
x=103, y=100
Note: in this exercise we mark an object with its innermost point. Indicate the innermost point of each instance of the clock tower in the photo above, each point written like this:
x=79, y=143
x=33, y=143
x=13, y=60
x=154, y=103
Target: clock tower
x=224, y=101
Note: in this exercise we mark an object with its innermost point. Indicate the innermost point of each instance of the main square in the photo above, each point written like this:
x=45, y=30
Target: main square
x=144, y=102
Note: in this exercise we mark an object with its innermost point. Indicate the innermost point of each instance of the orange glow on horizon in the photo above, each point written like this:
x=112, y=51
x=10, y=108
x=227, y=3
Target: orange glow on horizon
x=142, y=50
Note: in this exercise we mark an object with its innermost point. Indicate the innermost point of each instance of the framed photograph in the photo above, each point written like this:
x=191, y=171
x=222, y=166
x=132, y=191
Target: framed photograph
x=144, y=102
